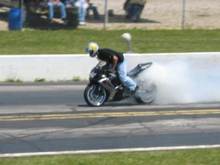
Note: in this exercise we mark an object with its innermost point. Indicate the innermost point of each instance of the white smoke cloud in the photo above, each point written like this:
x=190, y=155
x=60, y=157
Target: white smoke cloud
x=180, y=82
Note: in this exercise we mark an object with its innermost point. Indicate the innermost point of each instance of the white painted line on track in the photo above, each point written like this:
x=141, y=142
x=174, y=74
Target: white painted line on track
x=109, y=151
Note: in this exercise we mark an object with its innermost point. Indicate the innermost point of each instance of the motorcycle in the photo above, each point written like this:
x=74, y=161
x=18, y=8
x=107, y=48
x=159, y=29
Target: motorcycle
x=105, y=86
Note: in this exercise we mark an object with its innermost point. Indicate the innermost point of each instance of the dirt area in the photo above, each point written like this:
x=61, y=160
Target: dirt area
x=167, y=14
x=160, y=14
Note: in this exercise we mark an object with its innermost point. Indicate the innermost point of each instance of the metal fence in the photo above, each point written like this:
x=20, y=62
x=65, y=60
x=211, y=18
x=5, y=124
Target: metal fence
x=164, y=14
x=158, y=14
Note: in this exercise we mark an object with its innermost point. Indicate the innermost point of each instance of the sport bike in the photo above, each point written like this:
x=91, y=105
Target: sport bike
x=105, y=86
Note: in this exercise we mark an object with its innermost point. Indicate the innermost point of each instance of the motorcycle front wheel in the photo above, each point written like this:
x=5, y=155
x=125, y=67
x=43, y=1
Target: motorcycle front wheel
x=95, y=95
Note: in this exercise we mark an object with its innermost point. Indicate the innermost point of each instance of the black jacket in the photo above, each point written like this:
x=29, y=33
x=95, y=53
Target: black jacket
x=107, y=55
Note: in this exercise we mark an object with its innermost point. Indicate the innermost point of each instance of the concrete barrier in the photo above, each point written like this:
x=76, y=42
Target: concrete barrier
x=68, y=67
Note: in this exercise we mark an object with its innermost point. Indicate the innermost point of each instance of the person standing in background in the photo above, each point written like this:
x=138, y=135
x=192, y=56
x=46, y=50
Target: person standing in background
x=56, y=3
x=82, y=6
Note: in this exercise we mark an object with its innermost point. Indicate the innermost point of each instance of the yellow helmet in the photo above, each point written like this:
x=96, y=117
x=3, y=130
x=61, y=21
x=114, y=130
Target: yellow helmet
x=93, y=48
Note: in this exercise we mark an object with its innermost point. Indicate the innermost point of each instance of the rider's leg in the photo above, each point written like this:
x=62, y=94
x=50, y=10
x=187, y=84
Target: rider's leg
x=127, y=81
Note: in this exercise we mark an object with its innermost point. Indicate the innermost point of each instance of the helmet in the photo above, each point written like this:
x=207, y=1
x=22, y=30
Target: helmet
x=92, y=49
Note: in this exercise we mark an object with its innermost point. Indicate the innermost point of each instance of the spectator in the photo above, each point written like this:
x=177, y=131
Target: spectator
x=94, y=9
x=56, y=3
x=134, y=9
x=82, y=6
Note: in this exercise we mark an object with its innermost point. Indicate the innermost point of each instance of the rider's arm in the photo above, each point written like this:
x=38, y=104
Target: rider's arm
x=115, y=62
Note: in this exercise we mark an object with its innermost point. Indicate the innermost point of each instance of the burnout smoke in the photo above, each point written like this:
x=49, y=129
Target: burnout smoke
x=180, y=82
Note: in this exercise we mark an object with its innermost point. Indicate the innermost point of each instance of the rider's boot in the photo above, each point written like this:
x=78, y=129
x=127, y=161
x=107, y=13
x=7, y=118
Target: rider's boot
x=129, y=93
x=134, y=91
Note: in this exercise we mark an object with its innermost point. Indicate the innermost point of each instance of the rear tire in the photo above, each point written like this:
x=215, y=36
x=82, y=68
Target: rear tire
x=95, y=95
x=146, y=96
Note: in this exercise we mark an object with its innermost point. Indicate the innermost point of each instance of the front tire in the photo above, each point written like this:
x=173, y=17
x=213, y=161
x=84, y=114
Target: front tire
x=95, y=95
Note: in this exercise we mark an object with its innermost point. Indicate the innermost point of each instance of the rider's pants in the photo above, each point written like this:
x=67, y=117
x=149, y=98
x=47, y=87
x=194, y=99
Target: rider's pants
x=127, y=81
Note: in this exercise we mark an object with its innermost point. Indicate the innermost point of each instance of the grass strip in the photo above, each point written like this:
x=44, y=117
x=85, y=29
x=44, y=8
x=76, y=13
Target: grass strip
x=182, y=157
x=75, y=41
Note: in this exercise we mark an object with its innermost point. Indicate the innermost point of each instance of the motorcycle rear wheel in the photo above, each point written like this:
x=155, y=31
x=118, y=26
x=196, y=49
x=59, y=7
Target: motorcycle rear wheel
x=95, y=95
x=146, y=96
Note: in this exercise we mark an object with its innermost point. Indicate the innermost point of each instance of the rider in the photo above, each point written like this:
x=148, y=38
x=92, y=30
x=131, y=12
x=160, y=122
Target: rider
x=117, y=62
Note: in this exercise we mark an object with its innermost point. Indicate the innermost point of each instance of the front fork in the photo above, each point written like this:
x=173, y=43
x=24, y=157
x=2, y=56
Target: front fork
x=107, y=84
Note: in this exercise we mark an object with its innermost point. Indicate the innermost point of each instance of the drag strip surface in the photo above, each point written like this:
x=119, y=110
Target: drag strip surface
x=50, y=119
x=109, y=132
x=41, y=95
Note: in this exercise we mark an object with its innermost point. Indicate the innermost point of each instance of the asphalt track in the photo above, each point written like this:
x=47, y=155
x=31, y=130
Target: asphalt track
x=48, y=118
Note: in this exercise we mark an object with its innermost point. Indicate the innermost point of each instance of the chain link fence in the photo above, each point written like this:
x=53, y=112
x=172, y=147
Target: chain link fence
x=157, y=14
x=164, y=14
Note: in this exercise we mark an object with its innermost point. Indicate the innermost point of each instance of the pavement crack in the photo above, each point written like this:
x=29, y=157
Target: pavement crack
x=15, y=139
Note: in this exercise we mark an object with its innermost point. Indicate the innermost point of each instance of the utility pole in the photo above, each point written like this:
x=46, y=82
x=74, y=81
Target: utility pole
x=106, y=14
x=22, y=13
x=183, y=14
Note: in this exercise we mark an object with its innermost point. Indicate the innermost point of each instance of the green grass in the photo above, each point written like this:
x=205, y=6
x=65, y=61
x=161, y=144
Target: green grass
x=185, y=157
x=75, y=41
